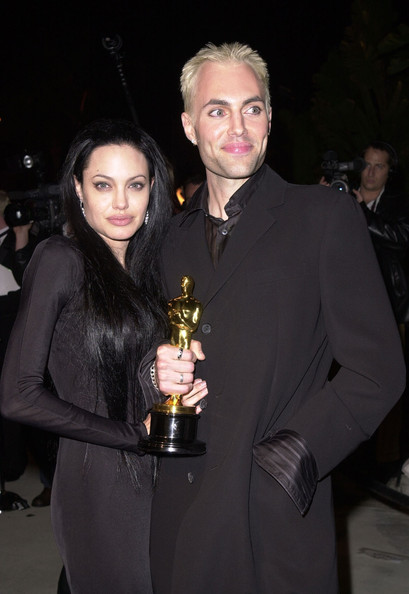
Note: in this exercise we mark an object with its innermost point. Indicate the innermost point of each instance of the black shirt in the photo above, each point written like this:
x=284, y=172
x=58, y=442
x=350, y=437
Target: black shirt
x=218, y=230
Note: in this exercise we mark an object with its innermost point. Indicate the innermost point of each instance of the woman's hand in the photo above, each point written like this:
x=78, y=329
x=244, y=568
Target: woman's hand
x=147, y=423
x=175, y=367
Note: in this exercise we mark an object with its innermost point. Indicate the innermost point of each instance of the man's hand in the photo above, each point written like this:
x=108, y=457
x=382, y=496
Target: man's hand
x=196, y=395
x=21, y=232
x=358, y=195
x=323, y=182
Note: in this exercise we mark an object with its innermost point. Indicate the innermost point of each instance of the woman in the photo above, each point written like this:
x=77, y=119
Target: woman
x=91, y=308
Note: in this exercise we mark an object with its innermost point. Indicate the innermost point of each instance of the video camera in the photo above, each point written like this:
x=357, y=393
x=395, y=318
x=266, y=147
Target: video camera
x=334, y=170
x=42, y=205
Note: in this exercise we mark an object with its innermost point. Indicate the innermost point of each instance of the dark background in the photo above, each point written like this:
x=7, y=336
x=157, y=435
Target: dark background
x=56, y=75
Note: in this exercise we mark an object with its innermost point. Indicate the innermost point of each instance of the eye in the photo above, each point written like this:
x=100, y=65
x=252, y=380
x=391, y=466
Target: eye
x=101, y=185
x=137, y=185
x=254, y=109
x=215, y=113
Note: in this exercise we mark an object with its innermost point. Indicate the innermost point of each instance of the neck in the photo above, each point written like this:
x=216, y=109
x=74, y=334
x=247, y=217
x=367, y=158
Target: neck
x=369, y=195
x=220, y=191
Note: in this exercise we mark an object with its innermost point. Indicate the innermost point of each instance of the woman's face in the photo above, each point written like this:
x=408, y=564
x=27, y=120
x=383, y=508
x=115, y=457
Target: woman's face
x=115, y=193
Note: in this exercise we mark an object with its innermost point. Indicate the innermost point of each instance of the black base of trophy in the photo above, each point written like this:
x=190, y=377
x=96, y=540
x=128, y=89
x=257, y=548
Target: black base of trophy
x=173, y=431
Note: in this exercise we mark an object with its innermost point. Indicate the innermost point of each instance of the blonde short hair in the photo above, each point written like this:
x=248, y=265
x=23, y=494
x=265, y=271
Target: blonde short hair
x=227, y=52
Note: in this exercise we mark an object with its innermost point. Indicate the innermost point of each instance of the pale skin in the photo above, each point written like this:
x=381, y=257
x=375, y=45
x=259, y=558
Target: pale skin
x=169, y=368
x=115, y=193
x=230, y=124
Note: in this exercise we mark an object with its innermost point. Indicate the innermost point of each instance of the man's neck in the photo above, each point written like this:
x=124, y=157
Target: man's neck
x=370, y=195
x=220, y=191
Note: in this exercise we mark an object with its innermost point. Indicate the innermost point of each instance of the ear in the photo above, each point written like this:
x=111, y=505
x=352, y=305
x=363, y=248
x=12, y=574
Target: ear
x=269, y=120
x=188, y=127
x=78, y=188
x=152, y=182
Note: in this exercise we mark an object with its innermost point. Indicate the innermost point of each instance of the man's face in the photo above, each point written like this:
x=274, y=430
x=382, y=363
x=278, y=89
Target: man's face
x=375, y=174
x=229, y=121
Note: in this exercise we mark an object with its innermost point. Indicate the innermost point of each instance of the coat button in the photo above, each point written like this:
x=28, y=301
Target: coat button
x=190, y=477
x=206, y=328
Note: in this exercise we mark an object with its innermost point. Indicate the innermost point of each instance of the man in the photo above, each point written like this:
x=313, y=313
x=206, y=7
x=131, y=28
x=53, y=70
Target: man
x=387, y=215
x=16, y=247
x=275, y=266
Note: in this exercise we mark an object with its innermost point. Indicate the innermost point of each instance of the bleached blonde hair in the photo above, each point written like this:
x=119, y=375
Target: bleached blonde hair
x=226, y=52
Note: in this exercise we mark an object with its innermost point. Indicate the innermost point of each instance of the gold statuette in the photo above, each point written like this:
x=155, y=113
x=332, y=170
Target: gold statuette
x=184, y=314
x=174, y=426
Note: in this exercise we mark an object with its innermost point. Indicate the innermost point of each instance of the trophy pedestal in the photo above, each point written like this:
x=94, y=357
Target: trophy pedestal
x=173, y=431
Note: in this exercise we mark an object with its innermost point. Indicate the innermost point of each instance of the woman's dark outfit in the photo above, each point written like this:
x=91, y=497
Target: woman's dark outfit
x=100, y=516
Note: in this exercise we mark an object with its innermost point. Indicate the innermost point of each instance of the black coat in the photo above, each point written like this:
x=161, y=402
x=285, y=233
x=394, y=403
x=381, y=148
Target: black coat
x=288, y=295
x=389, y=230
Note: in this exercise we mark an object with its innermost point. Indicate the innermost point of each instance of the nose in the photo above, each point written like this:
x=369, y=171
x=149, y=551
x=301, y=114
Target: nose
x=120, y=199
x=237, y=125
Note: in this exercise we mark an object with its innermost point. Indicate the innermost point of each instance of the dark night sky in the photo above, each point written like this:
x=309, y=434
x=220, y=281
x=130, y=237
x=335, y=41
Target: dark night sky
x=56, y=74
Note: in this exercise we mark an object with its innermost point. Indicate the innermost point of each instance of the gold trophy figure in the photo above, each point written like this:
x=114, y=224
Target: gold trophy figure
x=174, y=426
x=184, y=314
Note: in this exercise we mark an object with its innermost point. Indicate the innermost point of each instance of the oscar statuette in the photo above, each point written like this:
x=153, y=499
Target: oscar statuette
x=174, y=426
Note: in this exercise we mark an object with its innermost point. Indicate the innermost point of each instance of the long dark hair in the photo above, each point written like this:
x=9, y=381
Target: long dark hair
x=123, y=309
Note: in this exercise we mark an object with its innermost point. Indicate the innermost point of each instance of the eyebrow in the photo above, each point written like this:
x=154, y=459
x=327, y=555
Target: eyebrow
x=111, y=178
x=254, y=99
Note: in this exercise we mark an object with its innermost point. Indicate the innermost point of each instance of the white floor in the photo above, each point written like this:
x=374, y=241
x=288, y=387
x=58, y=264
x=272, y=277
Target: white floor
x=29, y=560
x=373, y=542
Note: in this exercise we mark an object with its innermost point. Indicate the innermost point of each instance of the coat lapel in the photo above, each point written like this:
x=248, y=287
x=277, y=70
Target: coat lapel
x=258, y=217
x=191, y=250
x=190, y=254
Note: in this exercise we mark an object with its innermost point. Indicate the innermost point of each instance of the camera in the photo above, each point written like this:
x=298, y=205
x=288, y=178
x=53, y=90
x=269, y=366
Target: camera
x=42, y=205
x=334, y=170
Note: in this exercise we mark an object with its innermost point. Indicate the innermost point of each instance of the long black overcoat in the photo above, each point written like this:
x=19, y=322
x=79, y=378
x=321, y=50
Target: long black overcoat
x=298, y=285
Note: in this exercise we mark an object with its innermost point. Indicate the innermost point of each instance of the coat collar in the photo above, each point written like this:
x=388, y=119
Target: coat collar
x=200, y=197
x=256, y=219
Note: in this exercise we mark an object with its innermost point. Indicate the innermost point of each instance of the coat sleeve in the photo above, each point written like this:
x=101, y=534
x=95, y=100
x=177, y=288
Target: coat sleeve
x=387, y=230
x=364, y=340
x=48, y=285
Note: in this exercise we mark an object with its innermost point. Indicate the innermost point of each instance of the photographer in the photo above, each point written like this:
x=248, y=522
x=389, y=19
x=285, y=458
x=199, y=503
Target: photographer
x=386, y=210
x=16, y=248
x=387, y=215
